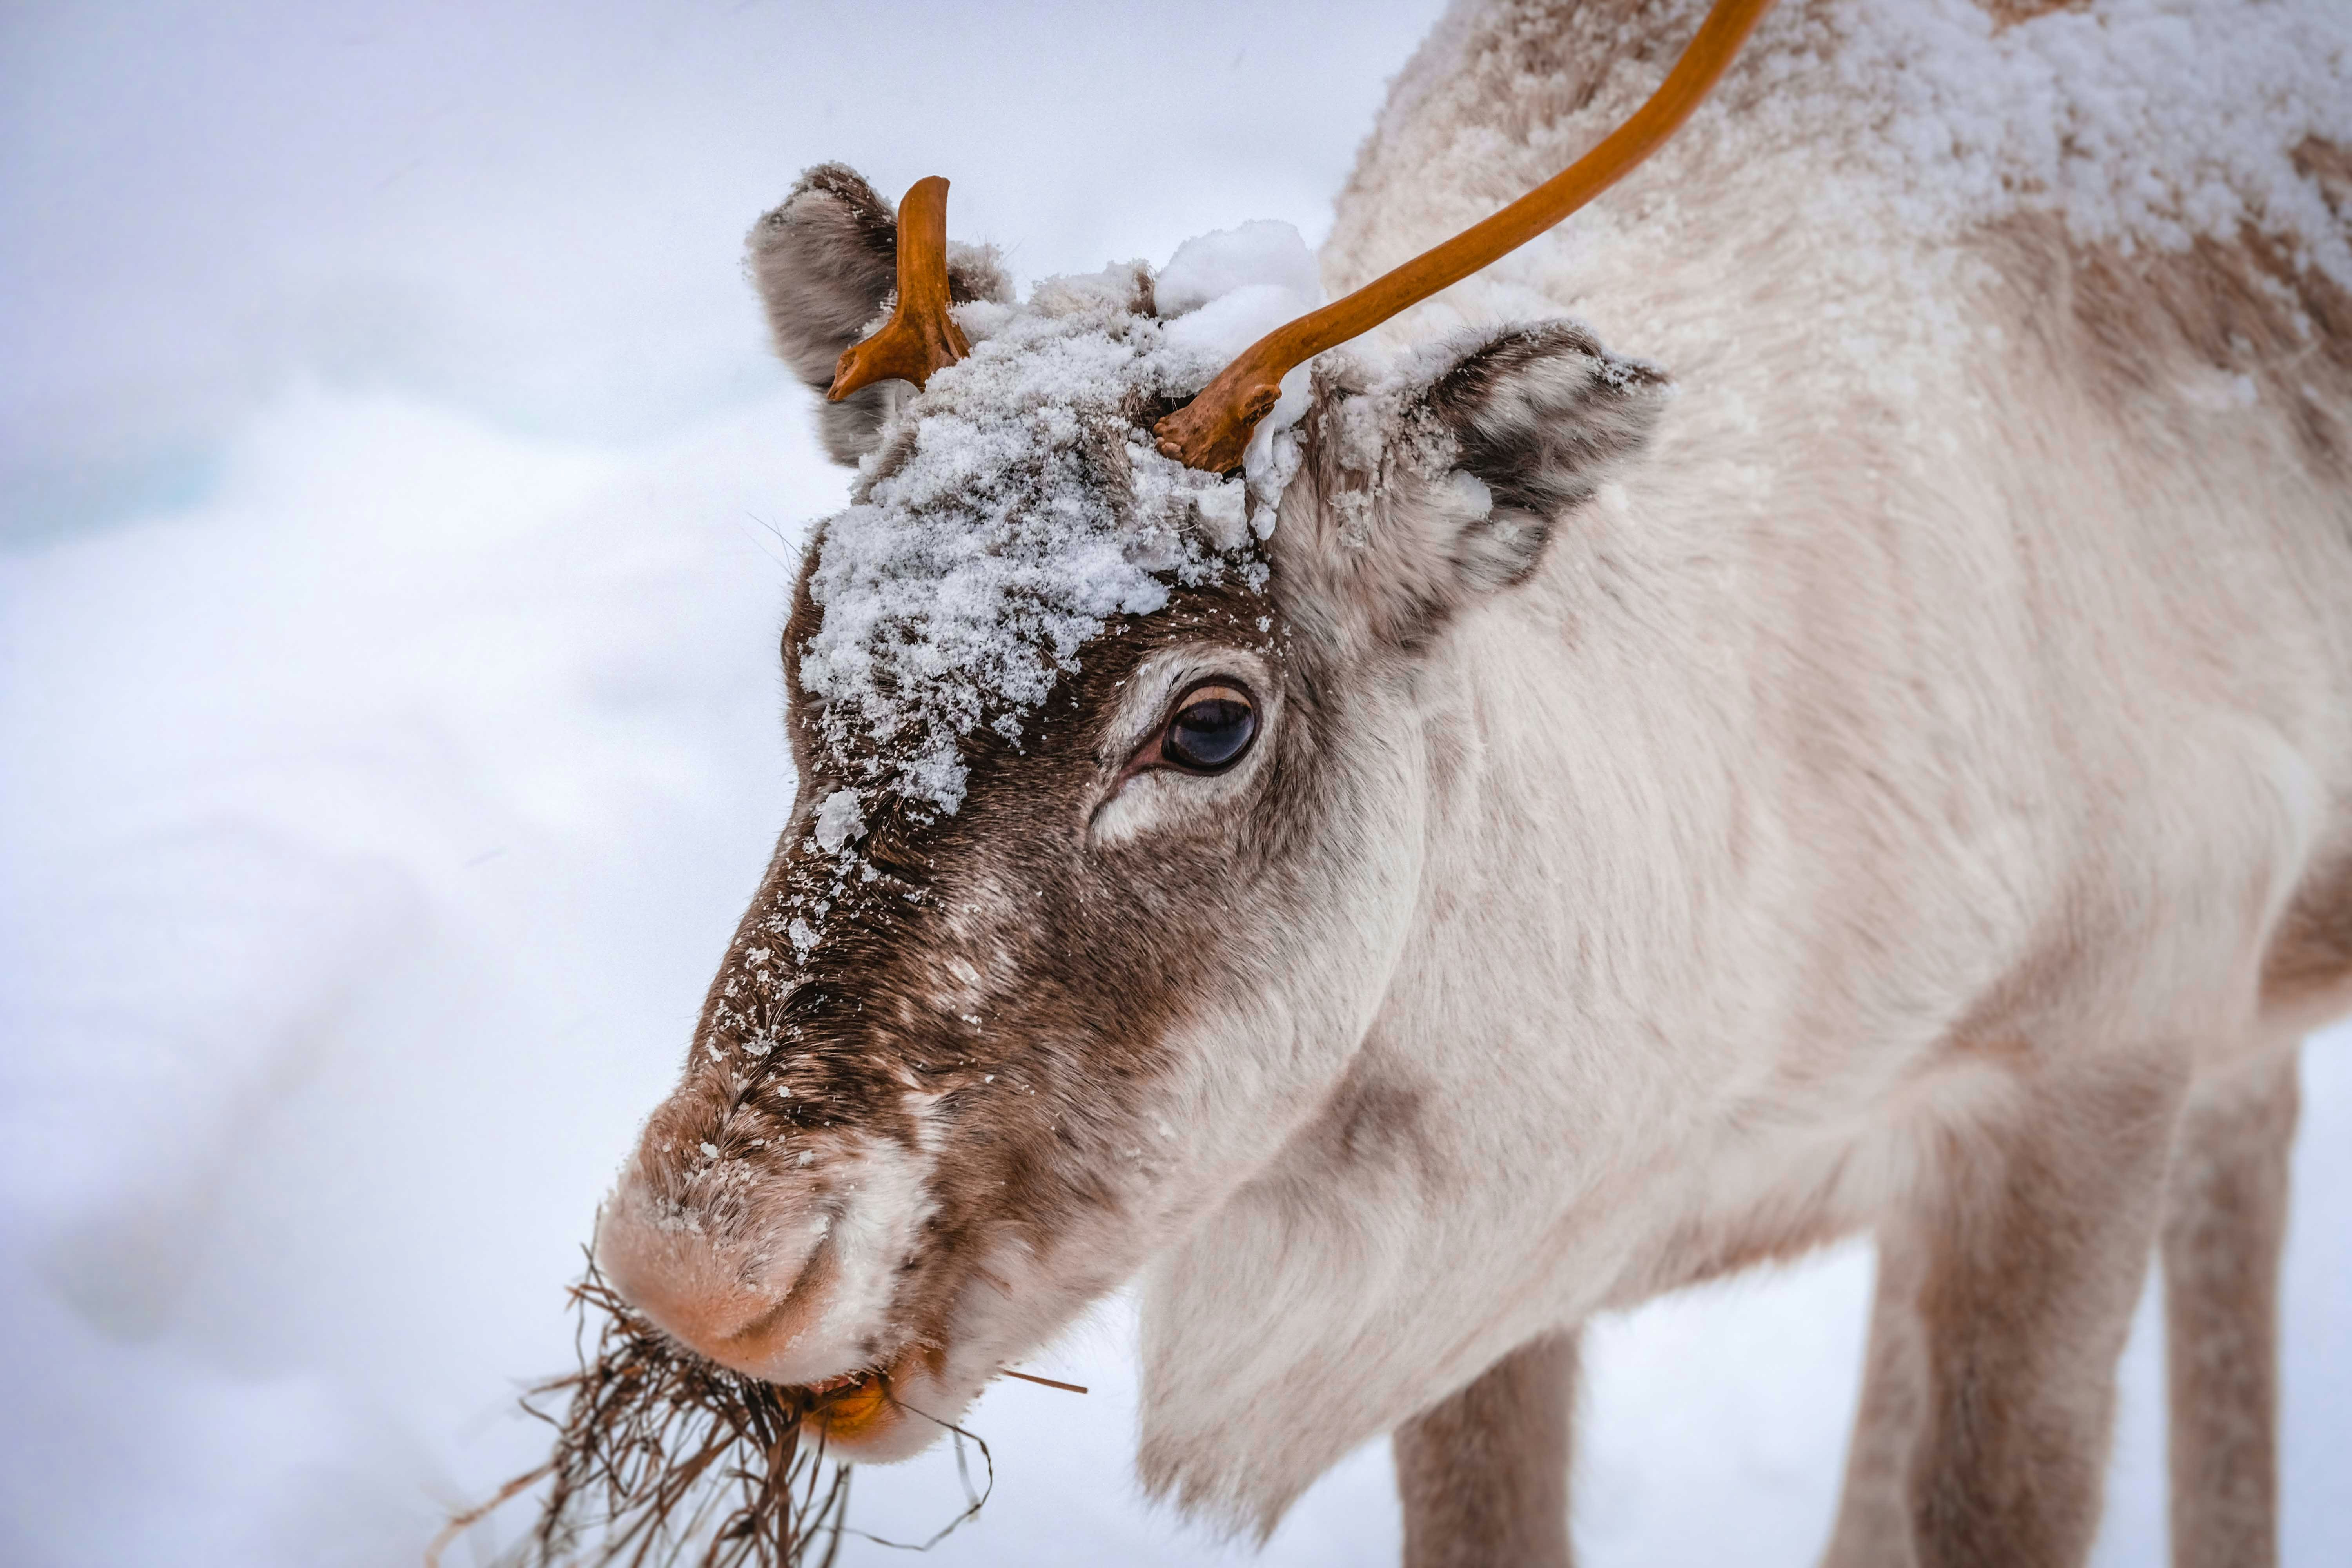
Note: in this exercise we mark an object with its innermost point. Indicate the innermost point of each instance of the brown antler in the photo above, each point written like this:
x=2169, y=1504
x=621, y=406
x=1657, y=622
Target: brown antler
x=1213, y=431
x=920, y=336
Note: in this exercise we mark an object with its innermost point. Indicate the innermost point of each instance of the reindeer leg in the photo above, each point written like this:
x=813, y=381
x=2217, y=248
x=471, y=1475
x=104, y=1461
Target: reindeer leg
x=1873, y=1520
x=2006, y=1285
x=2224, y=1225
x=1484, y=1476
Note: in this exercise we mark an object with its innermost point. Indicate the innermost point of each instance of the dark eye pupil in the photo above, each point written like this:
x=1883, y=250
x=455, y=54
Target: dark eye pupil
x=1209, y=734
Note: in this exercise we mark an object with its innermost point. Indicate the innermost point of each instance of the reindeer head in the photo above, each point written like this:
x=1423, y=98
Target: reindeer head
x=1112, y=780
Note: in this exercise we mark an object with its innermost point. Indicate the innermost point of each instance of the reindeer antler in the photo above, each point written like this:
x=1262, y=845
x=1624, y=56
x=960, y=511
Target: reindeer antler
x=920, y=336
x=1213, y=431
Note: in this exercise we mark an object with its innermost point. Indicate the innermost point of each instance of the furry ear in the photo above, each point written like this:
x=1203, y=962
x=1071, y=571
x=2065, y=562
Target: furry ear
x=1539, y=416
x=825, y=265
x=1434, y=492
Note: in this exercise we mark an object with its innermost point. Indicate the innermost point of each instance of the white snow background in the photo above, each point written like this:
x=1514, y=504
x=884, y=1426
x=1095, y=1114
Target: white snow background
x=397, y=505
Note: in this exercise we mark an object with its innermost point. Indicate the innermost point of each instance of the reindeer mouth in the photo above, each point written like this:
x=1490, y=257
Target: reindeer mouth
x=865, y=1413
x=858, y=1408
x=854, y=1407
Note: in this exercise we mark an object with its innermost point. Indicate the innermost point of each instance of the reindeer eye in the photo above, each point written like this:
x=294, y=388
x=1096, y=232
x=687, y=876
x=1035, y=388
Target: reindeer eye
x=1212, y=730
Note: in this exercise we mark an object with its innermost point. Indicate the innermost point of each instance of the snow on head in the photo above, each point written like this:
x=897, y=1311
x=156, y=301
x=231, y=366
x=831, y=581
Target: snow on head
x=1018, y=503
x=838, y=821
x=1261, y=255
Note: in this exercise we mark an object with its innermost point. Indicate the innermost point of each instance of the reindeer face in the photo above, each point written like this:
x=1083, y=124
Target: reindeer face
x=1110, y=796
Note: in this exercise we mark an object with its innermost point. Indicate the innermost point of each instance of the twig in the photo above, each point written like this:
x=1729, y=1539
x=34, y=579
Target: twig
x=1048, y=1381
x=460, y=1524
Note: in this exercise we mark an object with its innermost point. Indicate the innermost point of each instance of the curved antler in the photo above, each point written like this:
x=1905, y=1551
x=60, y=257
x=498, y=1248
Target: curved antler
x=1213, y=431
x=920, y=336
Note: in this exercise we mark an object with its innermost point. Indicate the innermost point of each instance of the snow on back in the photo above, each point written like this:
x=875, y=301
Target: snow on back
x=1018, y=504
x=1858, y=154
x=2143, y=123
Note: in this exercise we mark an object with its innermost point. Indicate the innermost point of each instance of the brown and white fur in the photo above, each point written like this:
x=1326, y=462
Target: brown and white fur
x=1900, y=779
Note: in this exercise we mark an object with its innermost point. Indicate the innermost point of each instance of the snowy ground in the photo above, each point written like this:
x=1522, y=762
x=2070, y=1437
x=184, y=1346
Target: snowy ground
x=395, y=516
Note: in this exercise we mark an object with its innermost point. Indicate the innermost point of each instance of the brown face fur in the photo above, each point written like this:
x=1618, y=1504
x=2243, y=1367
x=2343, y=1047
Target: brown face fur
x=997, y=965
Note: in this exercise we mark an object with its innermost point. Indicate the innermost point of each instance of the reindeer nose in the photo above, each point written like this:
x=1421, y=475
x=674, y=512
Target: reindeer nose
x=768, y=1304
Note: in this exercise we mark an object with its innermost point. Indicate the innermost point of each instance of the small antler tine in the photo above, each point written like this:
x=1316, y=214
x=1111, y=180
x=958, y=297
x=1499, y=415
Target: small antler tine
x=920, y=336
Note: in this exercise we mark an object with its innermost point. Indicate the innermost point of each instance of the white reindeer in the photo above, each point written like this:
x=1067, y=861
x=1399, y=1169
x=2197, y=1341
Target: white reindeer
x=1562, y=827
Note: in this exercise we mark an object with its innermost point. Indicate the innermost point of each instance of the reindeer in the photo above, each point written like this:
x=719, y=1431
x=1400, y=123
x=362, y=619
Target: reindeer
x=1447, y=832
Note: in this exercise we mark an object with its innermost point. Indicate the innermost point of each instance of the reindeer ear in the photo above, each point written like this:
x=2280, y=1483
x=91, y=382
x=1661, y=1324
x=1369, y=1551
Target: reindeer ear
x=1538, y=417
x=1427, y=499
x=825, y=265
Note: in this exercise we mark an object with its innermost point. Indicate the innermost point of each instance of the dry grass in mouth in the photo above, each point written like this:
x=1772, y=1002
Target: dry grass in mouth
x=664, y=1459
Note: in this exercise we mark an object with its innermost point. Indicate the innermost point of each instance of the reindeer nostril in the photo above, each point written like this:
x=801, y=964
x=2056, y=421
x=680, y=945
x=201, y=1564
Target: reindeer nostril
x=745, y=1305
x=752, y=1251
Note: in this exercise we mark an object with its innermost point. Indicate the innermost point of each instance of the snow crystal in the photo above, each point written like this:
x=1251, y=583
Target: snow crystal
x=1018, y=504
x=1471, y=493
x=837, y=821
